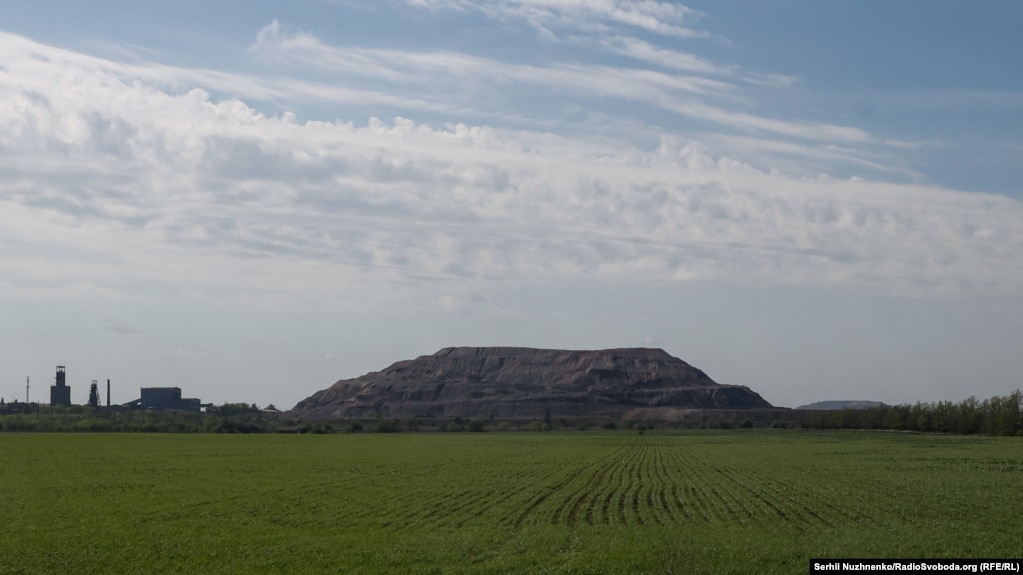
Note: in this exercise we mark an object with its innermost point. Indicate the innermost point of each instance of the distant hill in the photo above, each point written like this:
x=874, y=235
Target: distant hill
x=519, y=382
x=832, y=405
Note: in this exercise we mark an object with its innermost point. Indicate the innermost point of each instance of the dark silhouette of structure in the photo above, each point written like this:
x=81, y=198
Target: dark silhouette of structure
x=60, y=394
x=168, y=399
x=94, y=394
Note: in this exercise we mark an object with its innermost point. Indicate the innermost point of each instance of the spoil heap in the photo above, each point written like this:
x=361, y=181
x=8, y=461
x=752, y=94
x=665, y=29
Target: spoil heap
x=525, y=383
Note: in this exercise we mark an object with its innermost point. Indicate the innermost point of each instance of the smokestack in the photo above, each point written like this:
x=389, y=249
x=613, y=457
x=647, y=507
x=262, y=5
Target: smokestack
x=108, y=393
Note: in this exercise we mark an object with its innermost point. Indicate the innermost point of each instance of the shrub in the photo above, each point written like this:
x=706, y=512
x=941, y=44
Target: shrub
x=537, y=425
x=94, y=424
x=388, y=426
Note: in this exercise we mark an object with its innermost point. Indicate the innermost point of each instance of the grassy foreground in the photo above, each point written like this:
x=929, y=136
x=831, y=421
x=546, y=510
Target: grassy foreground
x=698, y=502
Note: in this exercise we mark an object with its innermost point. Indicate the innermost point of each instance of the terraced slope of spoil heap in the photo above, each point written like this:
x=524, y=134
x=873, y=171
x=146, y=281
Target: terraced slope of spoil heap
x=515, y=382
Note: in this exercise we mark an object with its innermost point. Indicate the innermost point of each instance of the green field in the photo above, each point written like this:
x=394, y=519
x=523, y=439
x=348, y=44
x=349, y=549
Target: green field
x=697, y=502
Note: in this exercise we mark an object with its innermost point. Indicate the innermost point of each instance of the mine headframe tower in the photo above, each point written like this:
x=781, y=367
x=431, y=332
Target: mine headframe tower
x=60, y=394
x=94, y=394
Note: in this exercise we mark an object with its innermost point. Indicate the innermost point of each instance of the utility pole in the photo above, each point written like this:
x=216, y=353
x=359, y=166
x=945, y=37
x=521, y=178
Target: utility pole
x=26, y=388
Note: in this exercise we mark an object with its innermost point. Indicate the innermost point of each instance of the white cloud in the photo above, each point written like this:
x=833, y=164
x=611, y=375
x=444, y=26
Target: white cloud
x=651, y=15
x=665, y=58
x=79, y=292
x=603, y=189
x=113, y=174
x=478, y=83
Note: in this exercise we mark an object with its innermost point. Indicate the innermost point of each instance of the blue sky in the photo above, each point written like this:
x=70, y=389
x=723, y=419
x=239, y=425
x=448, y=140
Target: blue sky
x=252, y=200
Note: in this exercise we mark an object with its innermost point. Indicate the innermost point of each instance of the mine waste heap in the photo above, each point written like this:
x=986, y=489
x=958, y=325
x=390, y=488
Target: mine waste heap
x=526, y=383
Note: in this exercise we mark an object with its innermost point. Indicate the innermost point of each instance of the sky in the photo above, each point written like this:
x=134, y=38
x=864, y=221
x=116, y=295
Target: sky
x=252, y=200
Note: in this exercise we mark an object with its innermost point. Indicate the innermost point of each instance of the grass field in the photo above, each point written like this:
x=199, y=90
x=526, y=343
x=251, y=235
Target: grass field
x=698, y=502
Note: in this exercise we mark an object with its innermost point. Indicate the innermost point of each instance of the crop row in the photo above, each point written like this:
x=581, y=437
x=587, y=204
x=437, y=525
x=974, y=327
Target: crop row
x=630, y=481
x=497, y=503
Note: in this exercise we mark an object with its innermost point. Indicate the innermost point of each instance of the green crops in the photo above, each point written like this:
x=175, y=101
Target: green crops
x=697, y=502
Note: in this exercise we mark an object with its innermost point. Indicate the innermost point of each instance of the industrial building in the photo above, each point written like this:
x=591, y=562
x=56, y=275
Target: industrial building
x=60, y=393
x=168, y=399
x=153, y=398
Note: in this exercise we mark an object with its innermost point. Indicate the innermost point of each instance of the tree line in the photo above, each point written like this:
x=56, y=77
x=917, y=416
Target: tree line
x=999, y=415
x=227, y=418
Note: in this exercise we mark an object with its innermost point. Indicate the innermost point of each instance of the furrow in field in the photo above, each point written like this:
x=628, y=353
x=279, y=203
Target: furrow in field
x=618, y=488
x=593, y=501
x=576, y=501
x=417, y=502
x=614, y=505
x=651, y=482
x=809, y=514
x=744, y=508
x=672, y=492
x=591, y=517
x=568, y=504
x=499, y=497
x=647, y=511
x=677, y=511
x=410, y=487
x=693, y=490
x=434, y=511
x=635, y=486
x=631, y=484
x=373, y=509
x=635, y=507
x=743, y=502
x=788, y=501
x=459, y=510
x=657, y=486
x=773, y=499
x=775, y=503
x=741, y=492
x=475, y=501
x=605, y=497
x=546, y=493
x=667, y=489
x=470, y=507
x=524, y=495
x=809, y=501
x=723, y=500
